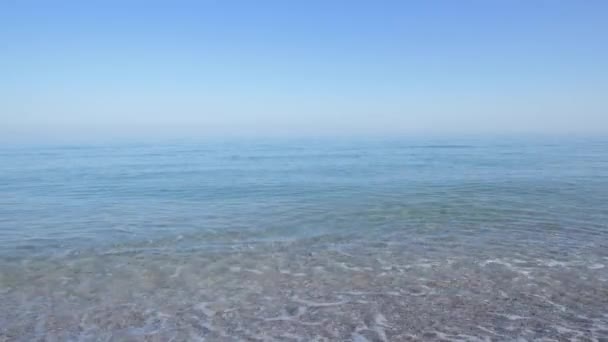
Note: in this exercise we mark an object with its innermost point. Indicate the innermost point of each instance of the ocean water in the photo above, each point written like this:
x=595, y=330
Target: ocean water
x=306, y=240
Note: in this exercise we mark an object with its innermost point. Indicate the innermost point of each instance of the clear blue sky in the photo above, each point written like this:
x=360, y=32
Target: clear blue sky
x=302, y=67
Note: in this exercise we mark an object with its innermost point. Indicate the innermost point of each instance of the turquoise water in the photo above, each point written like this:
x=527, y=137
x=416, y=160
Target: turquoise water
x=364, y=240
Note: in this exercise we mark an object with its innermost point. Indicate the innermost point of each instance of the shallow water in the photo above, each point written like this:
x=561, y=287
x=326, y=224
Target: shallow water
x=376, y=240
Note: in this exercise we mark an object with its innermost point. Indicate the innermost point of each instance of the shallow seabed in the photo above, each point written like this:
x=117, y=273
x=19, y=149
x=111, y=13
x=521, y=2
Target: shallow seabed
x=309, y=290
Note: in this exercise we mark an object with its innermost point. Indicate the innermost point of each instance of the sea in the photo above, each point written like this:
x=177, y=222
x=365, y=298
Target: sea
x=306, y=239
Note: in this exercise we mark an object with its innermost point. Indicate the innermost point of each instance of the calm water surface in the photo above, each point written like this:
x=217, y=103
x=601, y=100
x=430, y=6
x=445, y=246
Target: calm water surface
x=303, y=240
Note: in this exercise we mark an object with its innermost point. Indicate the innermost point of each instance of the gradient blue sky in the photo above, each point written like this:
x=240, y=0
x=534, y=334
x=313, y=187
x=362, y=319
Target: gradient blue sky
x=72, y=68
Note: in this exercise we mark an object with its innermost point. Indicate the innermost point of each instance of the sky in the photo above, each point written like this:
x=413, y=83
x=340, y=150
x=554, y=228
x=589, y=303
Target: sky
x=314, y=67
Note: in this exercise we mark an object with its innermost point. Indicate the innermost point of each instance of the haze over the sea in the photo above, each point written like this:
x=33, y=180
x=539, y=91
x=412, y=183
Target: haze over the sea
x=74, y=70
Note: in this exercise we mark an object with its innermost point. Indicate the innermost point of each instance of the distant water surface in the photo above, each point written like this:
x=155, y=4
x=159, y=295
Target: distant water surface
x=297, y=240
